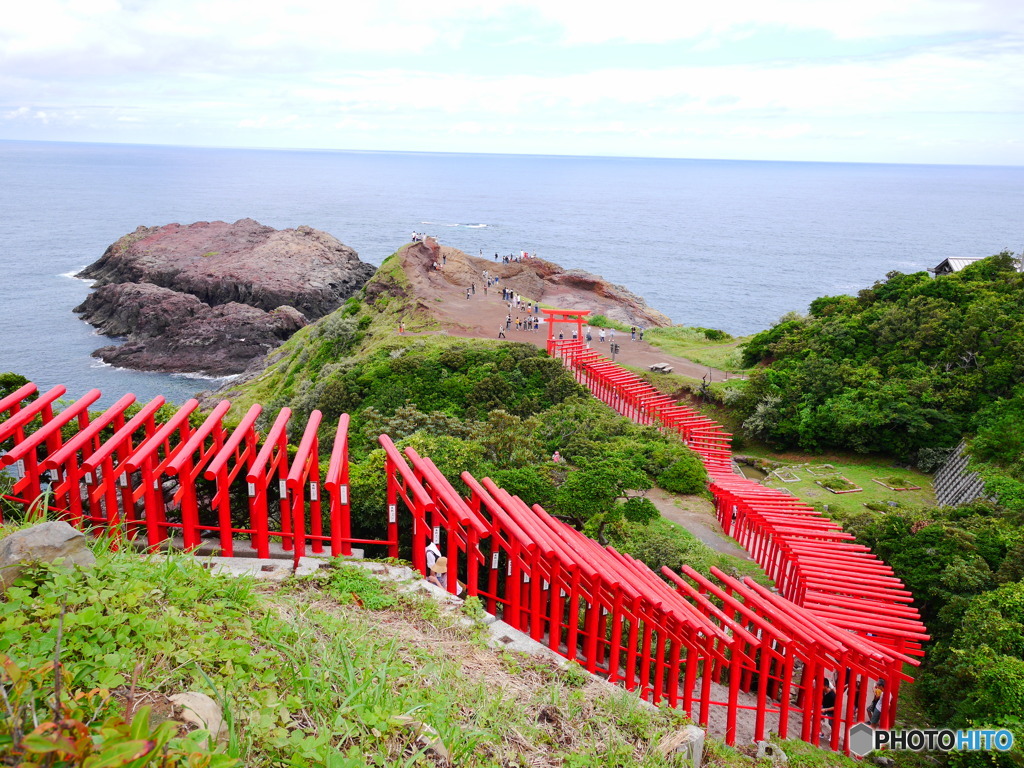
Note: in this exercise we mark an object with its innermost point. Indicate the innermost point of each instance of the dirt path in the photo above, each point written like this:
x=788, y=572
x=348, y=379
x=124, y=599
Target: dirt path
x=697, y=515
x=443, y=293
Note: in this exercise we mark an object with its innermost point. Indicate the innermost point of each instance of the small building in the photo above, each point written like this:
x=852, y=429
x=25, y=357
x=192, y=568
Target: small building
x=954, y=264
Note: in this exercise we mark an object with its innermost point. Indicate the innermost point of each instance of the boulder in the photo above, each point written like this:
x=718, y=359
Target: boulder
x=200, y=710
x=211, y=297
x=244, y=262
x=50, y=542
x=688, y=742
x=773, y=752
x=176, y=332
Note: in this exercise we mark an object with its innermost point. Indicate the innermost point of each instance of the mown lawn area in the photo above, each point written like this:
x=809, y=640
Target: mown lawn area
x=860, y=470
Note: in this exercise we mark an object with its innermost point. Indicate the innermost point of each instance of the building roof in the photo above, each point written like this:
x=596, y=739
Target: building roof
x=954, y=264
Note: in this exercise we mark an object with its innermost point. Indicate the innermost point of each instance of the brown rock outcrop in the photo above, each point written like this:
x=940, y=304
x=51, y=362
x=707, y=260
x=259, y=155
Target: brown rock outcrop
x=540, y=280
x=174, y=332
x=211, y=296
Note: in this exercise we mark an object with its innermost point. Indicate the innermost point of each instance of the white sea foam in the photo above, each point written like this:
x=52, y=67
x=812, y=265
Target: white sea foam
x=205, y=377
x=456, y=225
x=73, y=275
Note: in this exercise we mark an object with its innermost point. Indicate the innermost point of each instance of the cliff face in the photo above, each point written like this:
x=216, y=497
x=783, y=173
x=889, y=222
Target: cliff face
x=211, y=296
x=244, y=262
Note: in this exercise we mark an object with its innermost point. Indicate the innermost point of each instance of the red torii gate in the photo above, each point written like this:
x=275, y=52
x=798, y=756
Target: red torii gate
x=812, y=560
x=113, y=474
x=846, y=613
x=572, y=317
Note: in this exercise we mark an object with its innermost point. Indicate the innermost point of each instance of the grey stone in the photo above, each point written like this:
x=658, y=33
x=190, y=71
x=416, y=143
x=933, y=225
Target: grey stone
x=773, y=752
x=44, y=543
x=202, y=711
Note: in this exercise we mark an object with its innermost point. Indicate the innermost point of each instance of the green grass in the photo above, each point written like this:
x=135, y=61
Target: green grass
x=859, y=470
x=332, y=670
x=693, y=344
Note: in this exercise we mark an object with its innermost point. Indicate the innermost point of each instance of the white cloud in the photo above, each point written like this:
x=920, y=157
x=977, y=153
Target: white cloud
x=655, y=21
x=232, y=33
x=309, y=73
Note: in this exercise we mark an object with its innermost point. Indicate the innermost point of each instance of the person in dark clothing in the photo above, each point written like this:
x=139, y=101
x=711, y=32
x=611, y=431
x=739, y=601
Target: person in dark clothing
x=828, y=708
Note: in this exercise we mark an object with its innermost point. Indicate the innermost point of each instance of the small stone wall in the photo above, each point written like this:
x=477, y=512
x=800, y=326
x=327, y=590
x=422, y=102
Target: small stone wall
x=955, y=484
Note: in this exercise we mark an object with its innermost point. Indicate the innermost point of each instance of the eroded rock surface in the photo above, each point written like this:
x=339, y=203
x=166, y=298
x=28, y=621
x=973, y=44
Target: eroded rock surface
x=541, y=280
x=211, y=296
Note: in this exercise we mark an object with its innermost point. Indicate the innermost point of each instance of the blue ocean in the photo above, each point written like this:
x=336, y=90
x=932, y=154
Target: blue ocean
x=723, y=244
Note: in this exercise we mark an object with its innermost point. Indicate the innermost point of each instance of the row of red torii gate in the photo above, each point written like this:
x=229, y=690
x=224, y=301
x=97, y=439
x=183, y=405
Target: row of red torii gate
x=741, y=659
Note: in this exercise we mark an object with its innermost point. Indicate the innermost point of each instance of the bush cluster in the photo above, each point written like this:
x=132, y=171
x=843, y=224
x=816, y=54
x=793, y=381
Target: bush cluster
x=911, y=363
x=964, y=566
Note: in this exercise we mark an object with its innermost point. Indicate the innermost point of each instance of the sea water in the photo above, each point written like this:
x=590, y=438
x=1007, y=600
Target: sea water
x=722, y=244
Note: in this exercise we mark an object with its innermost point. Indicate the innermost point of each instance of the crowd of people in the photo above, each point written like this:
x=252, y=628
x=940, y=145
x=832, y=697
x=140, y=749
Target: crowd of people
x=521, y=313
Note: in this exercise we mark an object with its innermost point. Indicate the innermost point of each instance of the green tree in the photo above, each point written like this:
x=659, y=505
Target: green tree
x=600, y=493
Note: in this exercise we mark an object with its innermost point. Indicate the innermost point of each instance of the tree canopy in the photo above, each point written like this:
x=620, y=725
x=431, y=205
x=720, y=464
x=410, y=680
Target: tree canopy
x=913, y=362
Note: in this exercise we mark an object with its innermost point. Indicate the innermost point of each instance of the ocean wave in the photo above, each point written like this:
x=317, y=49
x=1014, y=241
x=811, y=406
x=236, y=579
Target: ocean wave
x=205, y=377
x=73, y=275
x=473, y=225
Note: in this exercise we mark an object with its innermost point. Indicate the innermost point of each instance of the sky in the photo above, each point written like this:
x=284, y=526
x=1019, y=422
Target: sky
x=893, y=81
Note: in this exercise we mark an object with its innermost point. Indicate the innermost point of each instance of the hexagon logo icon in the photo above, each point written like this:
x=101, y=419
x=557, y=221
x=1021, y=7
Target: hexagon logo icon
x=861, y=739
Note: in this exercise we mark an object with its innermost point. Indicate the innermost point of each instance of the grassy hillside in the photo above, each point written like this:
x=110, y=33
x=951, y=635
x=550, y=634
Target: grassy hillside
x=336, y=669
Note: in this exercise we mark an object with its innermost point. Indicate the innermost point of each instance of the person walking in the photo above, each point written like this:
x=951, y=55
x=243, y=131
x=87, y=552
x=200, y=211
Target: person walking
x=877, y=704
x=828, y=708
x=601, y=337
x=467, y=293
x=501, y=331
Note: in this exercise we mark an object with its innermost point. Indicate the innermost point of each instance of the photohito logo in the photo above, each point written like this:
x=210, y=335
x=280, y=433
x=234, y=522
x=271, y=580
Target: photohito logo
x=864, y=739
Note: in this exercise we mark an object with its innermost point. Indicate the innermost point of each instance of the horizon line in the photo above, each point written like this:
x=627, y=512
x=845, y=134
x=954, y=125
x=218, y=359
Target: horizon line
x=496, y=154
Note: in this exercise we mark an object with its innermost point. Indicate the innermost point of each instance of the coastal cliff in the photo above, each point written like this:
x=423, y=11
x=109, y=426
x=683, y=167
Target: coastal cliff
x=211, y=296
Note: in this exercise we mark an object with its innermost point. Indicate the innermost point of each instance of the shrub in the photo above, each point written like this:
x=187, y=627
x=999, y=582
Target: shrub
x=685, y=475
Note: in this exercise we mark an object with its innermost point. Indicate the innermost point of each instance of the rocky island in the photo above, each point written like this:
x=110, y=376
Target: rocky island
x=212, y=297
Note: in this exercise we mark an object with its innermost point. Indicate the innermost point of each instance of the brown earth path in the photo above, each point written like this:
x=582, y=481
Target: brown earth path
x=442, y=293
x=697, y=515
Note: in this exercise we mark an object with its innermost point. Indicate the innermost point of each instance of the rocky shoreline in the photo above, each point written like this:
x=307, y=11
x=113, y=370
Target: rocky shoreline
x=212, y=297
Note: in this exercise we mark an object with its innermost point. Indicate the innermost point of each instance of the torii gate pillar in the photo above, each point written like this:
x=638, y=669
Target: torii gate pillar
x=570, y=316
